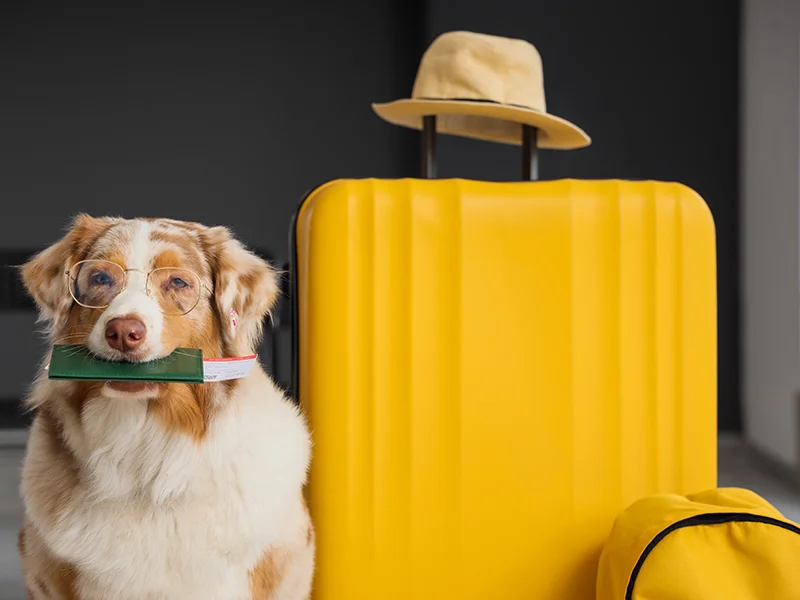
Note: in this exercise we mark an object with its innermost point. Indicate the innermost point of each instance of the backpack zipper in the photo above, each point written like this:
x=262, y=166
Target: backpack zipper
x=705, y=519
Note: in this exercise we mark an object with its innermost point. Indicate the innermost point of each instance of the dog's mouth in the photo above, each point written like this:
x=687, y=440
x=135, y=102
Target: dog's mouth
x=144, y=355
x=131, y=357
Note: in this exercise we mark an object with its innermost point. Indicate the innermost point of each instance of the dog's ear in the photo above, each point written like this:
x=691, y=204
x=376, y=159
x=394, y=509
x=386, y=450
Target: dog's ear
x=44, y=275
x=246, y=288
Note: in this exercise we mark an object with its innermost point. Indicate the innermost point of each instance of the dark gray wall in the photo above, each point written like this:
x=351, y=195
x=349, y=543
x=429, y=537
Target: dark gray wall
x=656, y=86
x=206, y=111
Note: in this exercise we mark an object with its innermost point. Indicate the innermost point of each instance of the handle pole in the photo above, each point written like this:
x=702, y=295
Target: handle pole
x=428, y=147
x=530, y=153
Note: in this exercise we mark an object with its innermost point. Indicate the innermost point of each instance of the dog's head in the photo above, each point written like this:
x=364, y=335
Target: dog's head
x=137, y=289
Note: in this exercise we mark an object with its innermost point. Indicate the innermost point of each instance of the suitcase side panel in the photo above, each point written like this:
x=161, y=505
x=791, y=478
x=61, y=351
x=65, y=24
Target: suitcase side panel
x=493, y=371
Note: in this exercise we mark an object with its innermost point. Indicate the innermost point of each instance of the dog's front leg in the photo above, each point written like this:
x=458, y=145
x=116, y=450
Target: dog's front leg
x=285, y=573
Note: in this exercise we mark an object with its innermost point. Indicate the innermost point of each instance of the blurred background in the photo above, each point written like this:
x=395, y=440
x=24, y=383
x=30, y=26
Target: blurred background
x=227, y=112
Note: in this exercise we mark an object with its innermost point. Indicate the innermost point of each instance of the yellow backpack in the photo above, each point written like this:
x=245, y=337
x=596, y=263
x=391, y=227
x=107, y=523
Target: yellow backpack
x=722, y=544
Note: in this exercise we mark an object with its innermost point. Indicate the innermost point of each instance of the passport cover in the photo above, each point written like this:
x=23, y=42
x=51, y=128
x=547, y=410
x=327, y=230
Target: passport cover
x=184, y=365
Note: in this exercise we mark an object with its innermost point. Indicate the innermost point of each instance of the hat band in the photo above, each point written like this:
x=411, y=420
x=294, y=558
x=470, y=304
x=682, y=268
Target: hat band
x=483, y=100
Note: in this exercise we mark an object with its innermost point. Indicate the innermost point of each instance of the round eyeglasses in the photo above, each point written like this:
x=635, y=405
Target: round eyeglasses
x=95, y=284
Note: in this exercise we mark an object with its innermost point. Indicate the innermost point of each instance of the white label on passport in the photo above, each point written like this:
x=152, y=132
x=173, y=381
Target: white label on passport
x=222, y=369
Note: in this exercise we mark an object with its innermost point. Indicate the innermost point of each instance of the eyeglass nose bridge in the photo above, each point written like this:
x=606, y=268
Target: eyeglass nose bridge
x=146, y=280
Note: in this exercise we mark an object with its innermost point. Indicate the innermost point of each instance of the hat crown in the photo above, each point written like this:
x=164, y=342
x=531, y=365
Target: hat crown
x=462, y=65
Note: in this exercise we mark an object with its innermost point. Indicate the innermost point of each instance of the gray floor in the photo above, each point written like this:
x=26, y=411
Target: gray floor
x=10, y=512
x=739, y=468
x=736, y=468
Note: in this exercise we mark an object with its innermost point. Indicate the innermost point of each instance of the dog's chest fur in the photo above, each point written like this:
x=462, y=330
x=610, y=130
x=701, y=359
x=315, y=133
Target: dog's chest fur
x=156, y=514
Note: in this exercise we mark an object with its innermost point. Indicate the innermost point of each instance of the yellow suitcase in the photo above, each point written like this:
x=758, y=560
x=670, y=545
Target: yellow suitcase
x=492, y=372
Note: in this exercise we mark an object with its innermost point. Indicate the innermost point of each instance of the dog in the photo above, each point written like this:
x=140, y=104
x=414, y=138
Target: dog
x=141, y=491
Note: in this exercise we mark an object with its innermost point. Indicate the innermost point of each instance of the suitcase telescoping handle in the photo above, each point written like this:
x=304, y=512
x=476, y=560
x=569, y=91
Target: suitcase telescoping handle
x=530, y=155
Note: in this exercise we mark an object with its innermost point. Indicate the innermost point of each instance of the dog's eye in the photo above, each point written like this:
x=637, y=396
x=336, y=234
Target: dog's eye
x=178, y=283
x=102, y=279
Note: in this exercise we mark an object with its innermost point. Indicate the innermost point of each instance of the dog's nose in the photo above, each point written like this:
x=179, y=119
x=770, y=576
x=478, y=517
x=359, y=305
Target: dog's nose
x=125, y=334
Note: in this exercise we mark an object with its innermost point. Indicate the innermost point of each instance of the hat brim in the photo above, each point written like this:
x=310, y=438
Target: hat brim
x=485, y=121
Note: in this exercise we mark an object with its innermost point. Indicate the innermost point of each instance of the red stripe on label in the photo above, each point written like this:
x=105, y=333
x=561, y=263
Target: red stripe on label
x=235, y=358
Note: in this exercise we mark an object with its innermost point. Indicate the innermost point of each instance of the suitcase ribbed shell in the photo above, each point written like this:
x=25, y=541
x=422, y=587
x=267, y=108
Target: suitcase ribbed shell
x=493, y=372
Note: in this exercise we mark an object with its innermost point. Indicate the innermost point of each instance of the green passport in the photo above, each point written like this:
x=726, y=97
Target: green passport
x=184, y=365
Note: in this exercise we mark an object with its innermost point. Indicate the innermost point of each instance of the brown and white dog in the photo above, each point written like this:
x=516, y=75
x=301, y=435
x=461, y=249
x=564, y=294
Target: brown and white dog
x=162, y=491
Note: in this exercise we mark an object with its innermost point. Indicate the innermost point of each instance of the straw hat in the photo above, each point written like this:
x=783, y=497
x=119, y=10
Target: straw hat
x=485, y=87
